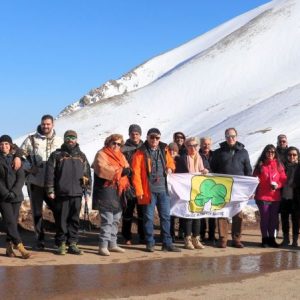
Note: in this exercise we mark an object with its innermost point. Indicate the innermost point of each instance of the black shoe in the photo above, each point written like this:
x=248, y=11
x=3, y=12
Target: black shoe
x=170, y=248
x=272, y=242
x=40, y=245
x=150, y=248
x=265, y=242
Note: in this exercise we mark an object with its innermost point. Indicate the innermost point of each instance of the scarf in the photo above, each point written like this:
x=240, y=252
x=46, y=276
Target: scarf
x=109, y=164
x=195, y=164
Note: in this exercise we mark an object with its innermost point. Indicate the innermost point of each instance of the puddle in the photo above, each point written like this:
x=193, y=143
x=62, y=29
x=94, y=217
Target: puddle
x=137, y=278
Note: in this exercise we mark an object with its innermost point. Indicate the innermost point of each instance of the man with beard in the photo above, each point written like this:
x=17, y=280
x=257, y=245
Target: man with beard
x=68, y=173
x=132, y=144
x=37, y=148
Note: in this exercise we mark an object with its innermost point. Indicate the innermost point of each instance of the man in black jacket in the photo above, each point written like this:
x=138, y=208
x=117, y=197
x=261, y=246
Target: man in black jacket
x=231, y=158
x=132, y=144
x=67, y=174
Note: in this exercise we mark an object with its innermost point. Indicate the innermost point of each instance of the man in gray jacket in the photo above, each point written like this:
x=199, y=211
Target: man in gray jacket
x=37, y=149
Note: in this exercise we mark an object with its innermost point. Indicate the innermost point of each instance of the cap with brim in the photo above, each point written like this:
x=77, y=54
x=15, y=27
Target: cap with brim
x=153, y=131
x=70, y=133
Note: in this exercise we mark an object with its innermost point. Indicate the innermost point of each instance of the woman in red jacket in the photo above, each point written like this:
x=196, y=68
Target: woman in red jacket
x=272, y=178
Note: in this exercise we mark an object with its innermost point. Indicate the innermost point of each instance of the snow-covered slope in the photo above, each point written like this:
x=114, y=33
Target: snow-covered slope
x=243, y=74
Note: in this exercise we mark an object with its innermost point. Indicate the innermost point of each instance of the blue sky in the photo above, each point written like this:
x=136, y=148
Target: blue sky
x=53, y=52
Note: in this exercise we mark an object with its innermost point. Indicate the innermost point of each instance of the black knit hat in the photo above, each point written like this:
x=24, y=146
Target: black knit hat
x=153, y=131
x=6, y=138
x=70, y=133
x=135, y=128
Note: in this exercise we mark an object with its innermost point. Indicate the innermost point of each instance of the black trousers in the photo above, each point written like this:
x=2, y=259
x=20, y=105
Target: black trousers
x=128, y=218
x=181, y=225
x=37, y=197
x=287, y=209
x=10, y=215
x=67, y=219
x=211, y=228
x=192, y=226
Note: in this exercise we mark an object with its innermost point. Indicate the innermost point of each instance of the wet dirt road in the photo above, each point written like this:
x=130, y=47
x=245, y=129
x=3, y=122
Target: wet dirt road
x=137, y=278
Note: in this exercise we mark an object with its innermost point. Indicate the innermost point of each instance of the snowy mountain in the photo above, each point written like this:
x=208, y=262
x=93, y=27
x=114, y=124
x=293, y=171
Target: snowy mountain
x=243, y=74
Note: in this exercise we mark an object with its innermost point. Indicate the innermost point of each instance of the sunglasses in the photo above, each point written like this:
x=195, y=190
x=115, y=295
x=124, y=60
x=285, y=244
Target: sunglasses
x=70, y=138
x=271, y=151
x=292, y=154
x=116, y=144
x=154, y=137
x=231, y=136
x=192, y=146
x=179, y=137
x=282, y=142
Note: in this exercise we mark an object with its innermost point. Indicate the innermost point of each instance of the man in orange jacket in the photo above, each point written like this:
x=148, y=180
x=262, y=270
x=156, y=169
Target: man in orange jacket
x=151, y=164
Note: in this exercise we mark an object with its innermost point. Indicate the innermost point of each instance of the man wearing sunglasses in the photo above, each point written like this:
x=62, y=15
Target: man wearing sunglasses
x=68, y=173
x=231, y=158
x=37, y=148
x=151, y=164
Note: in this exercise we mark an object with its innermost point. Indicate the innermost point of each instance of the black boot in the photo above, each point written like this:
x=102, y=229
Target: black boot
x=264, y=242
x=272, y=242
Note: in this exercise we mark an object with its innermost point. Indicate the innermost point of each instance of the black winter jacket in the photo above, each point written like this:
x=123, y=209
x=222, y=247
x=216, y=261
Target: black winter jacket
x=233, y=161
x=65, y=170
x=10, y=180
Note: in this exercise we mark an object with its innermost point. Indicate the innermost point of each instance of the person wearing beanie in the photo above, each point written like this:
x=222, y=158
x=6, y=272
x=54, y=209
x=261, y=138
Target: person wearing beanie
x=67, y=175
x=36, y=149
x=151, y=164
x=130, y=147
x=11, y=197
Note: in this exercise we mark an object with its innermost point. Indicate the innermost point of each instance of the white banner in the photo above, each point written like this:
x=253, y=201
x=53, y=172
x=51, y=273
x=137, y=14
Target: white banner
x=209, y=196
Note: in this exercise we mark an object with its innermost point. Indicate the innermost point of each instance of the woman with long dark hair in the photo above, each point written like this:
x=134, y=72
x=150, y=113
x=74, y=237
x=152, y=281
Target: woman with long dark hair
x=272, y=178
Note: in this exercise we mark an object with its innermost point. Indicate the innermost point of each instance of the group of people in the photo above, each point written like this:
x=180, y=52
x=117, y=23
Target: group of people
x=131, y=175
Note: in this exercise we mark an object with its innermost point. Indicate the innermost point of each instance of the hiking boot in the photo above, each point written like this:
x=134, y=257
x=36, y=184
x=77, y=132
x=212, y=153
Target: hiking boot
x=295, y=240
x=237, y=244
x=170, y=248
x=286, y=240
x=196, y=242
x=117, y=249
x=150, y=248
x=24, y=253
x=61, y=250
x=10, y=250
x=73, y=249
x=272, y=242
x=222, y=243
x=265, y=242
x=103, y=251
x=40, y=245
x=188, y=243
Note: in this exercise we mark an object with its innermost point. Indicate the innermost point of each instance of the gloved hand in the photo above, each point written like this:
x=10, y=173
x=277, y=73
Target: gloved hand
x=84, y=181
x=33, y=170
x=10, y=196
x=126, y=172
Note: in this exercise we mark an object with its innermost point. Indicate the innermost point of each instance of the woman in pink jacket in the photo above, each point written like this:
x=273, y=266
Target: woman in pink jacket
x=272, y=178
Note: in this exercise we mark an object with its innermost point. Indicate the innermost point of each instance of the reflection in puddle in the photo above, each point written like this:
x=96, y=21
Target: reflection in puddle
x=137, y=278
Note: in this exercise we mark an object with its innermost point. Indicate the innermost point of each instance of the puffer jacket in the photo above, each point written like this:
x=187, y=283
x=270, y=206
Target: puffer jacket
x=10, y=180
x=269, y=172
x=141, y=168
x=232, y=161
x=37, y=149
x=65, y=170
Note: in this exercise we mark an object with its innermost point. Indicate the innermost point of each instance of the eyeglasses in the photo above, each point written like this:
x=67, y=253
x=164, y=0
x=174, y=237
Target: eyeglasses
x=231, y=136
x=154, y=137
x=192, y=146
x=70, y=138
x=116, y=144
x=271, y=151
x=292, y=154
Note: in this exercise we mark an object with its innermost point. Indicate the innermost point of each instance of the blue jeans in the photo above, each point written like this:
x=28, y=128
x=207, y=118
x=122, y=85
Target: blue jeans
x=162, y=201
